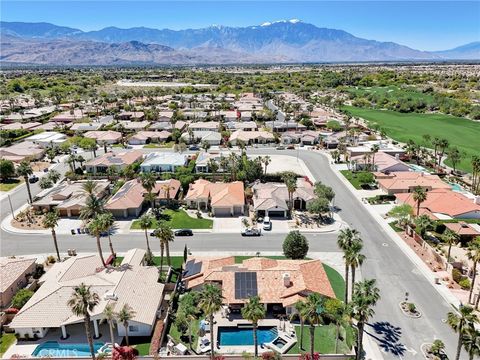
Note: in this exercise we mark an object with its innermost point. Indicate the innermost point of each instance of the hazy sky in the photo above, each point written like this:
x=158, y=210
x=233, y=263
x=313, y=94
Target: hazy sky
x=425, y=25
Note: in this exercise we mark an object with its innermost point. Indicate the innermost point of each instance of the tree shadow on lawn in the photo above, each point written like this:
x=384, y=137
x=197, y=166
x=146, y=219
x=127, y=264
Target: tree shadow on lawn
x=388, y=337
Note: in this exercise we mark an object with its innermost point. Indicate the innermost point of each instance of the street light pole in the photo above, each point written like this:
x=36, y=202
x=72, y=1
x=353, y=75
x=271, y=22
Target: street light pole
x=11, y=207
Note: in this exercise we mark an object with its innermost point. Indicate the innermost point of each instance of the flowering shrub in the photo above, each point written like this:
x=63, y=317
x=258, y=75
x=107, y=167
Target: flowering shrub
x=306, y=356
x=124, y=353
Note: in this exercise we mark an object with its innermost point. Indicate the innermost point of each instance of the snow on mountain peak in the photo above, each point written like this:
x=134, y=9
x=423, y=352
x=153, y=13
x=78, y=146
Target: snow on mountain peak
x=291, y=21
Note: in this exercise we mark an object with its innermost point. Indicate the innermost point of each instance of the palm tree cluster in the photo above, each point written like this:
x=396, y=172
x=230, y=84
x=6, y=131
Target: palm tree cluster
x=463, y=321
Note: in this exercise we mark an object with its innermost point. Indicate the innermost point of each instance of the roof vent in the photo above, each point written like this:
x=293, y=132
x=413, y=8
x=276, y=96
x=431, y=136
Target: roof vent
x=286, y=280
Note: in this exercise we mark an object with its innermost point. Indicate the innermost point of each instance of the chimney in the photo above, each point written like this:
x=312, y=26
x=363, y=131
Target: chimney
x=397, y=156
x=286, y=280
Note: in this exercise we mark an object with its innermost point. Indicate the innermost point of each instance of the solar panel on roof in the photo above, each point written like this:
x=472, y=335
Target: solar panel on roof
x=192, y=268
x=245, y=285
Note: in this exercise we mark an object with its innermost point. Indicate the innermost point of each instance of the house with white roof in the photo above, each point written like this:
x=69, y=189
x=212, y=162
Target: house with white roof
x=131, y=284
x=163, y=161
x=47, y=139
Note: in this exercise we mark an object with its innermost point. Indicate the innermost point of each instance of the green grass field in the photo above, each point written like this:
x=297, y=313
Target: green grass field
x=6, y=340
x=179, y=219
x=336, y=280
x=10, y=184
x=351, y=177
x=324, y=341
x=460, y=132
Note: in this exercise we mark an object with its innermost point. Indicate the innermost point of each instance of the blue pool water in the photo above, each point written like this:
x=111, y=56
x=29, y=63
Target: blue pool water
x=54, y=349
x=417, y=168
x=456, y=187
x=244, y=336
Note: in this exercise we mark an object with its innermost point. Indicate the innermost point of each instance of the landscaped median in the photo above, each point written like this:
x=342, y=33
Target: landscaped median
x=178, y=219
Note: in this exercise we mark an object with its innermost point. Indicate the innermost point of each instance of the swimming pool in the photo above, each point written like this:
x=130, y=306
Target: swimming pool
x=417, y=168
x=456, y=187
x=234, y=336
x=54, y=349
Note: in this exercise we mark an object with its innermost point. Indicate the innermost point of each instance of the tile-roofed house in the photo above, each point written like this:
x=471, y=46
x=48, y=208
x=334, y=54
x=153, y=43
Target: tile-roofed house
x=129, y=200
x=90, y=126
x=161, y=126
x=383, y=163
x=242, y=125
x=145, y=137
x=282, y=126
x=276, y=282
x=117, y=160
x=406, y=181
x=465, y=230
x=69, y=197
x=131, y=115
x=132, y=125
x=14, y=276
x=224, y=199
x=251, y=137
x=104, y=137
x=202, y=162
x=204, y=126
x=130, y=283
x=68, y=116
x=24, y=150
x=20, y=126
x=443, y=204
x=271, y=199
x=163, y=161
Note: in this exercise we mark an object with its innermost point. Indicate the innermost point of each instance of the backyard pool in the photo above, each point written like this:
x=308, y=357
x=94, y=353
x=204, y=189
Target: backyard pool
x=54, y=349
x=456, y=187
x=234, y=336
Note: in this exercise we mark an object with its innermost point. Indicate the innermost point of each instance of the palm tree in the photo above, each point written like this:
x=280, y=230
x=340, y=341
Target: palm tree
x=365, y=296
x=473, y=255
x=50, y=221
x=165, y=234
x=108, y=221
x=125, y=314
x=254, y=311
x=97, y=227
x=71, y=161
x=354, y=257
x=471, y=342
x=374, y=150
x=337, y=312
x=459, y=321
x=312, y=312
x=266, y=161
x=346, y=238
x=148, y=181
x=93, y=206
x=291, y=183
x=146, y=222
x=211, y=301
x=300, y=308
x=25, y=170
x=89, y=187
x=450, y=238
x=83, y=302
x=110, y=317
x=419, y=196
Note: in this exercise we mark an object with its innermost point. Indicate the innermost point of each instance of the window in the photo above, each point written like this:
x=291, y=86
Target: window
x=133, y=328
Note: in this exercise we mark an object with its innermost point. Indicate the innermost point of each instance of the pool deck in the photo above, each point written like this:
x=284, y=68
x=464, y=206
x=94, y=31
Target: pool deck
x=285, y=330
x=77, y=336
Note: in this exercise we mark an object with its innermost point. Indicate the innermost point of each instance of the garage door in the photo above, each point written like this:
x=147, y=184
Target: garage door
x=276, y=213
x=222, y=212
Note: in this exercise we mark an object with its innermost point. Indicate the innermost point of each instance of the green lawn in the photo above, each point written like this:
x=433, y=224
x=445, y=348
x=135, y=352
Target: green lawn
x=460, y=132
x=350, y=176
x=324, y=340
x=179, y=219
x=10, y=184
x=143, y=349
x=175, y=334
x=159, y=146
x=336, y=280
x=6, y=340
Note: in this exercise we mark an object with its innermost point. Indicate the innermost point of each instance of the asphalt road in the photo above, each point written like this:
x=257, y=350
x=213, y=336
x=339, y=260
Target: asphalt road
x=399, y=337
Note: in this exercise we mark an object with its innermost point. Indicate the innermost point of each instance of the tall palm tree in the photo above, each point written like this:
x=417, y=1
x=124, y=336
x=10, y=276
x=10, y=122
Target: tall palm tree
x=254, y=311
x=211, y=301
x=83, y=302
x=50, y=221
x=300, y=308
x=89, y=187
x=266, y=161
x=459, y=320
x=25, y=170
x=110, y=317
x=148, y=181
x=364, y=298
x=125, y=314
x=165, y=234
x=291, y=182
x=97, y=228
x=346, y=239
x=338, y=313
x=313, y=312
x=473, y=255
x=93, y=206
x=374, y=150
x=471, y=342
x=419, y=196
x=108, y=221
x=146, y=222
x=354, y=257
x=450, y=238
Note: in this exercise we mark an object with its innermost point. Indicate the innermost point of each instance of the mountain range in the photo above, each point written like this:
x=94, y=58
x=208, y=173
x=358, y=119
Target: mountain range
x=290, y=41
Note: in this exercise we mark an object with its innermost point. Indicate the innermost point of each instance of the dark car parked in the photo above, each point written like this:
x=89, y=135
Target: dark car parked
x=33, y=179
x=184, y=232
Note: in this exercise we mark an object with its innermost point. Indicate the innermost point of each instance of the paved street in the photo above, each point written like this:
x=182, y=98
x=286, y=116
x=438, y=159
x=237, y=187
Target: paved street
x=399, y=337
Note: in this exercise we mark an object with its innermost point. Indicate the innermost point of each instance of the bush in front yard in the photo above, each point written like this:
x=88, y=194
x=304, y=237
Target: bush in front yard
x=295, y=245
x=465, y=284
x=21, y=298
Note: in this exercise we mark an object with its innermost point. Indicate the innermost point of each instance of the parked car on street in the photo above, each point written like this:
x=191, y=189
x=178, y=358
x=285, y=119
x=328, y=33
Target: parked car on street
x=33, y=179
x=184, y=232
x=251, y=232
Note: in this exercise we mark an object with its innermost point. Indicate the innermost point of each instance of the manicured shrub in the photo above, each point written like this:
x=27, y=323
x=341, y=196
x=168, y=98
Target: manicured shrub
x=456, y=275
x=465, y=284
